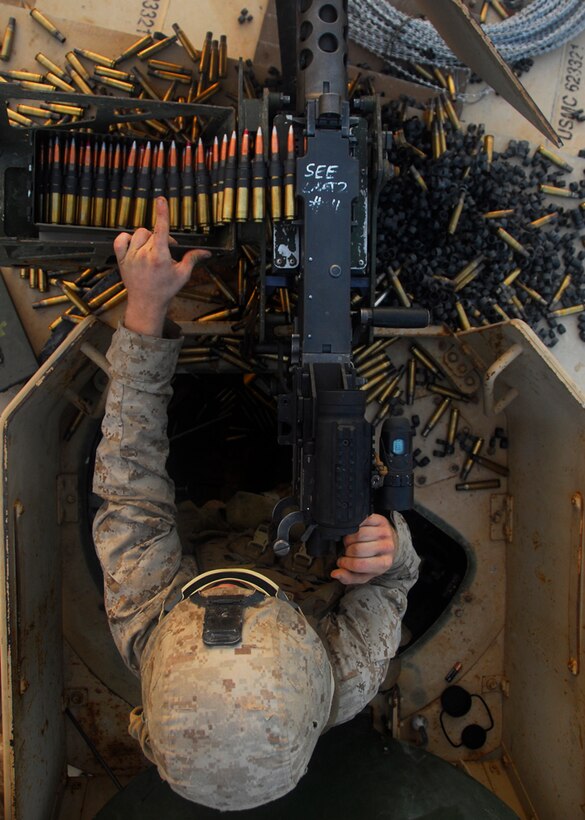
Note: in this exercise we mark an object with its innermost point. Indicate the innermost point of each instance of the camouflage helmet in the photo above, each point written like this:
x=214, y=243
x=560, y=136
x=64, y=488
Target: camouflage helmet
x=233, y=726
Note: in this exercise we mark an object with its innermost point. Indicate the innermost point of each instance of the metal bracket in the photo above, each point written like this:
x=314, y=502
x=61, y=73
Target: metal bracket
x=491, y=406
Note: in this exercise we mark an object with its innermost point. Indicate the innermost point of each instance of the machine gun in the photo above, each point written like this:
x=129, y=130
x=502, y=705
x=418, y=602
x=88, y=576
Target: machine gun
x=338, y=178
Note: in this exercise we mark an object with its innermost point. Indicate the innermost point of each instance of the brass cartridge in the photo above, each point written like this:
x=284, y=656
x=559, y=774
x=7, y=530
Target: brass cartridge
x=49, y=26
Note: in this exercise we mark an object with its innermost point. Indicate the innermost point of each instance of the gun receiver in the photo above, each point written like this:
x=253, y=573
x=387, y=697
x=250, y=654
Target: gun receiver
x=323, y=416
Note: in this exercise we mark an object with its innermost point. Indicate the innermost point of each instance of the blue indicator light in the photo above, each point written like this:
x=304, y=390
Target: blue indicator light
x=398, y=447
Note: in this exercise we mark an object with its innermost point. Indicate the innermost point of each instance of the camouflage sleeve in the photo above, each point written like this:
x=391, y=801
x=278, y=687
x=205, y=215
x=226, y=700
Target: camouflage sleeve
x=363, y=634
x=134, y=530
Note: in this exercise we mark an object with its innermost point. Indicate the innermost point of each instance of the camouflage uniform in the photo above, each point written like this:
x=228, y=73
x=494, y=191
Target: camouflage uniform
x=141, y=554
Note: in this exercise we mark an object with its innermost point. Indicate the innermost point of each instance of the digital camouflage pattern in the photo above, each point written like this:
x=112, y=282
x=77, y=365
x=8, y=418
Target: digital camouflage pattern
x=141, y=555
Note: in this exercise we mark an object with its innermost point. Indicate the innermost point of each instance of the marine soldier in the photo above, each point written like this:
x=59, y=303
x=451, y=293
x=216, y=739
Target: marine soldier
x=238, y=681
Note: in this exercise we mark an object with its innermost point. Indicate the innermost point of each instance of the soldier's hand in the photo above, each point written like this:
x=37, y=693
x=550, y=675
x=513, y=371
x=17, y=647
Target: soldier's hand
x=150, y=274
x=369, y=552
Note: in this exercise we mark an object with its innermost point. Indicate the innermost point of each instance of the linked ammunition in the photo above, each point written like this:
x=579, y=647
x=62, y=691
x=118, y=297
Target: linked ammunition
x=69, y=201
x=436, y=416
x=94, y=57
x=243, y=181
x=7, y=40
x=142, y=191
x=173, y=187
x=202, y=189
x=136, y=47
x=221, y=178
x=85, y=187
x=187, y=189
x=115, y=186
x=258, y=179
x=156, y=47
x=98, y=213
x=275, y=172
x=127, y=189
x=44, y=21
x=76, y=64
x=289, y=177
x=185, y=42
x=229, y=185
x=486, y=484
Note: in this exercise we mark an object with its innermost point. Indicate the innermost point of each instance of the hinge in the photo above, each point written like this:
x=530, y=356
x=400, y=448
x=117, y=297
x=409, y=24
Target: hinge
x=67, y=498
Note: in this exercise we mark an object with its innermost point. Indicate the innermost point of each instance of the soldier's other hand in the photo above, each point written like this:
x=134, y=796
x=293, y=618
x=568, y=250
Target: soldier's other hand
x=369, y=552
x=150, y=274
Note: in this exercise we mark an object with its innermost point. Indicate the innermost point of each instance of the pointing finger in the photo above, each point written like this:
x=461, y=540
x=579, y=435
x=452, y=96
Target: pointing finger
x=161, y=224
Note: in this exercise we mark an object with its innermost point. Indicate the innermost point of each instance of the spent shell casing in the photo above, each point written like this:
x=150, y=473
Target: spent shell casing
x=208, y=92
x=512, y=243
x=403, y=297
x=76, y=300
x=94, y=57
x=567, y=311
x=554, y=158
x=16, y=74
x=436, y=416
x=500, y=469
x=410, y=380
x=35, y=111
x=7, y=40
x=55, y=80
x=134, y=48
x=158, y=45
x=47, y=24
x=50, y=65
x=484, y=11
x=76, y=63
x=511, y=277
x=486, y=484
x=186, y=42
x=121, y=85
x=30, y=86
x=213, y=74
x=543, y=220
x=440, y=390
x=452, y=426
x=469, y=461
x=500, y=10
x=488, y=147
x=561, y=289
x=419, y=179
x=114, y=73
x=205, y=54
x=553, y=190
x=498, y=214
x=534, y=294
x=423, y=357
x=456, y=215
x=462, y=316
x=19, y=119
x=222, y=69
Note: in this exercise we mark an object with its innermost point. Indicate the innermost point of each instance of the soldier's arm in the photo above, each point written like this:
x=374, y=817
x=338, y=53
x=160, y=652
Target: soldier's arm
x=134, y=530
x=363, y=634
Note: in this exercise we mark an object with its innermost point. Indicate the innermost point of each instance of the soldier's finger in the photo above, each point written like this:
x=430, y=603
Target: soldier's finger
x=121, y=245
x=373, y=565
x=139, y=238
x=161, y=223
x=188, y=262
x=367, y=549
x=346, y=577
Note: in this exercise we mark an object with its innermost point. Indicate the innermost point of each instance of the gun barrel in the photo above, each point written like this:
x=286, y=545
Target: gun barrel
x=322, y=72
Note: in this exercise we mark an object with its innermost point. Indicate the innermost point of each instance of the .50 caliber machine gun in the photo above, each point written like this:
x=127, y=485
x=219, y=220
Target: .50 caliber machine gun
x=332, y=245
